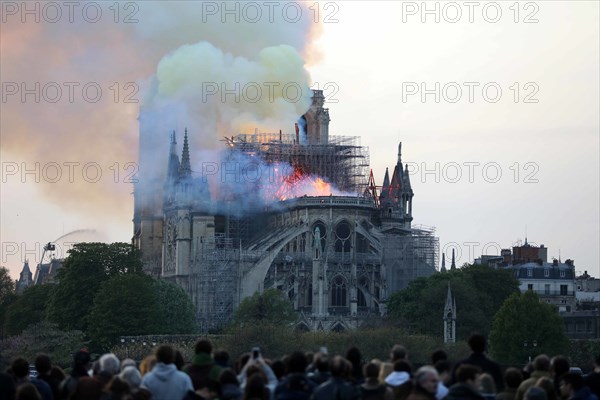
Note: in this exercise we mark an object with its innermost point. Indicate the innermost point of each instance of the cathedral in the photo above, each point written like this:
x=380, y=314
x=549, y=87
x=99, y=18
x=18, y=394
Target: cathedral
x=316, y=227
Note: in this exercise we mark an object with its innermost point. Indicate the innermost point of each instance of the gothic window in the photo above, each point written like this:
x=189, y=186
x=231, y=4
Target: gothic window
x=339, y=292
x=309, y=293
x=343, y=233
x=362, y=301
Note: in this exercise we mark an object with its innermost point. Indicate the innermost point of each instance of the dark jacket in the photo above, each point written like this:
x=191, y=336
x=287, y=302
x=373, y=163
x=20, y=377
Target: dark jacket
x=294, y=386
x=507, y=394
x=230, y=391
x=204, y=372
x=584, y=394
x=592, y=380
x=336, y=389
x=419, y=393
x=319, y=377
x=462, y=391
x=486, y=365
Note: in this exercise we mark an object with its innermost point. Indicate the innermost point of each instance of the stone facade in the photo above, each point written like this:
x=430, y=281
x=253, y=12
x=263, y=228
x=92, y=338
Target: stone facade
x=336, y=257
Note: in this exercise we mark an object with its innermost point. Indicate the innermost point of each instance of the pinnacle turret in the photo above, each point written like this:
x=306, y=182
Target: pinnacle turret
x=185, y=169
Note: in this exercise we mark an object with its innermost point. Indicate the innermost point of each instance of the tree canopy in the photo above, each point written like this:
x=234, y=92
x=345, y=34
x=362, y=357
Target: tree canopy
x=85, y=269
x=7, y=295
x=28, y=309
x=136, y=304
x=479, y=292
x=270, y=306
x=521, y=320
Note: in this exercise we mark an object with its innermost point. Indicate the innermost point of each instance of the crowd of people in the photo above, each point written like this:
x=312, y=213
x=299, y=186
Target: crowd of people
x=165, y=375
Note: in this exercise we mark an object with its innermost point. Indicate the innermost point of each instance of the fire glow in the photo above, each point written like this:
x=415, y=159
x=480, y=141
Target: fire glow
x=298, y=184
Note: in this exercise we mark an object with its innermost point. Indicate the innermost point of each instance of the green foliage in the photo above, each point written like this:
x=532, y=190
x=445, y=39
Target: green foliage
x=124, y=305
x=522, y=318
x=583, y=352
x=43, y=337
x=270, y=306
x=85, y=269
x=28, y=309
x=136, y=304
x=176, y=310
x=7, y=285
x=7, y=296
x=479, y=292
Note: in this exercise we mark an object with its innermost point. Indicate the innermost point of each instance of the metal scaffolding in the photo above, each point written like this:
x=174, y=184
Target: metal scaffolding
x=343, y=162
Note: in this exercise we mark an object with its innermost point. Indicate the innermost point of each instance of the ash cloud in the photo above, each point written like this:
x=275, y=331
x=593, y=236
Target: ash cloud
x=151, y=55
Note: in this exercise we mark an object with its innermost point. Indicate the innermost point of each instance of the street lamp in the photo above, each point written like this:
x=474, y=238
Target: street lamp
x=529, y=348
x=126, y=348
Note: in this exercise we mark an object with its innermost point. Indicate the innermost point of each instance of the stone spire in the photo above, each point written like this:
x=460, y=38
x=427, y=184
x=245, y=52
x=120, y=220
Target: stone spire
x=400, y=153
x=25, y=278
x=386, y=180
x=407, y=185
x=443, y=267
x=185, y=170
x=450, y=318
x=173, y=167
x=453, y=264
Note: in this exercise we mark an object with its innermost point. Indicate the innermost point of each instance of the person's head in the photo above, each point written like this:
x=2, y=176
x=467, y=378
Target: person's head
x=81, y=359
x=398, y=353
x=535, y=393
x=485, y=383
x=227, y=377
x=221, y=357
x=178, y=360
x=256, y=370
x=541, y=363
x=371, y=372
x=547, y=385
x=444, y=369
x=321, y=362
x=109, y=363
x=203, y=346
x=147, y=364
x=43, y=364
x=467, y=374
x=296, y=363
x=337, y=367
x=20, y=368
x=513, y=377
x=477, y=343
x=127, y=363
x=438, y=355
x=402, y=366
x=27, y=392
x=427, y=378
x=165, y=354
x=57, y=373
x=278, y=368
x=559, y=365
x=255, y=388
x=570, y=383
x=353, y=355
x=118, y=386
x=132, y=376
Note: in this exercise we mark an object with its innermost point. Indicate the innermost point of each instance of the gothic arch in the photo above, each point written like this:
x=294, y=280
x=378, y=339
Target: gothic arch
x=338, y=292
